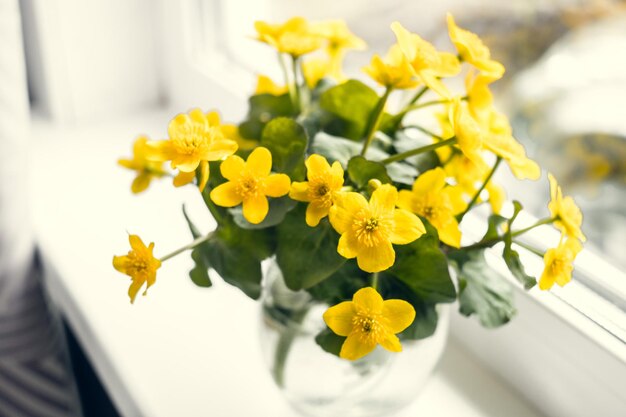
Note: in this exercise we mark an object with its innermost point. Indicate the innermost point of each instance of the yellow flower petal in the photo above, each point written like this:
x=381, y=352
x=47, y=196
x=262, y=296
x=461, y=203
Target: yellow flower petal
x=399, y=314
x=159, y=150
x=255, y=208
x=341, y=214
x=226, y=195
x=140, y=183
x=407, y=227
x=120, y=263
x=353, y=348
x=232, y=167
x=432, y=180
x=369, y=299
x=450, y=234
x=384, y=198
x=315, y=165
x=220, y=149
x=134, y=288
x=339, y=318
x=184, y=178
x=204, y=175
x=347, y=246
x=299, y=191
x=376, y=258
x=277, y=185
x=391, y=343
x=260, y=162
x=314, y=213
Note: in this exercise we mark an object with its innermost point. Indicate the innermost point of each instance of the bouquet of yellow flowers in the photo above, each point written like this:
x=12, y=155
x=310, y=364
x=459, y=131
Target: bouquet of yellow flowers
x=359, y=207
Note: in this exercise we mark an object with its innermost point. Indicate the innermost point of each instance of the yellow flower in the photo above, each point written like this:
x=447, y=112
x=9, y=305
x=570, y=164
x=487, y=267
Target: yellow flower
x=368, y=321
x=473, y=50
x=319, y=191
x=339, y=39
x=567, y=214
x=314, y=70
x=468, y=132
x=501, y=142
x=392, y=72
x=250, y=183
x=368, y=229
x=432, y=199
x=146, y=169
x=265, y=85
x=195, y=139
x=294, y=37
x=427, y=63
x=140, y=265
x=558, y=264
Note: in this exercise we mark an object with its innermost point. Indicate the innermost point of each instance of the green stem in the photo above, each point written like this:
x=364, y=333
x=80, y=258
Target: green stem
x=529, y=248
x=480, y=190
x=375, y=281
x=375, y=119
x=417, y=151
x=290, y=86
x=192, y=245
x=547, y=220
x=490, y=242
x=417, y=96
x=294, y=68
x=283, y=346
x=421, y=129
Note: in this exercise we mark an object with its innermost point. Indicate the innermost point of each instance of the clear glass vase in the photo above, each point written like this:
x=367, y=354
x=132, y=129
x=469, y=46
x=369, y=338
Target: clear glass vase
x=320, y=384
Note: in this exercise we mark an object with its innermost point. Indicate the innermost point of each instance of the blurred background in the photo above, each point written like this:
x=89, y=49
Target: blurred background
x=75, y=64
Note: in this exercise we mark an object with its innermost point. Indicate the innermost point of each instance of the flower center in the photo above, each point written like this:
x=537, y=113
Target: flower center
x=557, y=267
x=137, y=266
x=368, y=326
x=371, y=225
x=320, y=191
x=248, y=186
x=370, y=230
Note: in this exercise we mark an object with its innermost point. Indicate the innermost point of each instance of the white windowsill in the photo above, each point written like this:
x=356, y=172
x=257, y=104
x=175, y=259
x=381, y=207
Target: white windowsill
x=182, y=350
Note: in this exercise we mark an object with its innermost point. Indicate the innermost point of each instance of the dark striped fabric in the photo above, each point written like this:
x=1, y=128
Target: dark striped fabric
x=35, y=380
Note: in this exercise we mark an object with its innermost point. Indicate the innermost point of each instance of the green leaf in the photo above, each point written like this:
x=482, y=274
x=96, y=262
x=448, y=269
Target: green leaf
x=402, y=173
x=341, y=285
x=353, y=103
x=360, y=171
x=423, y=267
x=484, y=292
x=199, y=274
x=494, y=222
x=236, y=255
x=263, y=108
x=306, y=255
x=426, y=317
x=512, y=260
x=511, y=256
x=329, y=341
x=335, y=148
x=235, y=265
x=278, y=208
x=287, y=141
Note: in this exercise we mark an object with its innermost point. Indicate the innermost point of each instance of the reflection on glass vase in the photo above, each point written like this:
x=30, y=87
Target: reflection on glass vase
x=320, y=384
